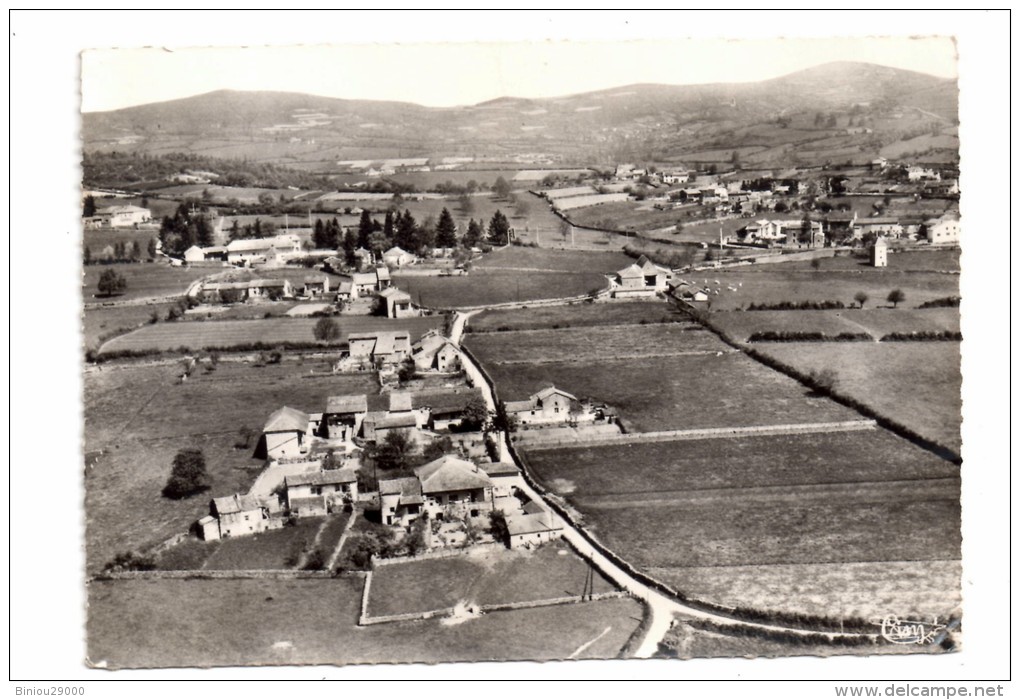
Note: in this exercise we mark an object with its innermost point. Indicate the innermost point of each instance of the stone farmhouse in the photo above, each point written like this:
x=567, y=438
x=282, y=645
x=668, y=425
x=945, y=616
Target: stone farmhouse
x=375, y=350
x=254, y=251
x=945, y=229
x=286, y=433
x=435, y=352
x=642, y=279
x=119, y=216
x=397, y=257
x=235, y=516
x=398, y=303
x=251, y=290
x=448, y=487
x=533, y=529
x=545, y=407
x=318, y=493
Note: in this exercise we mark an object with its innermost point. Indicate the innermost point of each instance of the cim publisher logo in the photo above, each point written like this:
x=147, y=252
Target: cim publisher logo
x=900, y=630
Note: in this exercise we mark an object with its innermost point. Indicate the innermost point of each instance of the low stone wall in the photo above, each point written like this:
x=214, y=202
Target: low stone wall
x=285, y=574
x=482, y=609
x=437, y=554
x=704, y=433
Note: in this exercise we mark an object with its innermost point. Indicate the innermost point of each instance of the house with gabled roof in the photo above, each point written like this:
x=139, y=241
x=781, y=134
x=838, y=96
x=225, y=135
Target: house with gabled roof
x=547, y=406
x=343, y=416
x=643, y=278
x=397, y=257
x=372, y=349
x=445, y=487
x=434, y=351
x=320, y=492
x=398, y=303
x=533, y=529
x=233, y=516
x=315, y=286
x=444, y=409
x=286, y=433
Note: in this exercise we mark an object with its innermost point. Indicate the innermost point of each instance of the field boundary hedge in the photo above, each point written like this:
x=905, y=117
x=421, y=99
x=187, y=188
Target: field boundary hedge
x=884, y=421
x=923, y=336
x=807, y=337
x=281, y=574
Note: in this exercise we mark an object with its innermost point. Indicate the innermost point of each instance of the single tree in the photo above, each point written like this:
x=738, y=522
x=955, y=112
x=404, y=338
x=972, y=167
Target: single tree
x=499, y=229
x=151, y=250
x=408, y=370
x=498, y=527
x=87, y=255
x=473, y=235
x=860, y=298
x=895, y=297
x=446, y=230
x=437, y=448
x=111, y=282
x=565, y=229
x=88, y=207
x=394, y=452
x=503, y=420
x=136, y=251
x=326, y=329
x=187, y=476
x=364, y=228
x=501, y=187
x=476, y=415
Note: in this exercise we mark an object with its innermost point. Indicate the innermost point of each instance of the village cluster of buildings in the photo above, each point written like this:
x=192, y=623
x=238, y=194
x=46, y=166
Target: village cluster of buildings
x=817, y=231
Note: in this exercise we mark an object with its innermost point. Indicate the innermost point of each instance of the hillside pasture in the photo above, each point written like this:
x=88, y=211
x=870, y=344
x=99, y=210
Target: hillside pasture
x=672, y=393
x=579, y=314
x=189, y=623
x=482, y=578
x=197, y=335
x=483, y=287
x=915, y=384
x=100, y=323
x=144, y=280
x=740, y=325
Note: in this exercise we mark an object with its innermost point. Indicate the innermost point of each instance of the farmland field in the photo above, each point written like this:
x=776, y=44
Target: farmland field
x=140, y=416
x=920, y=260
x=226, y=334
x=916, y=384
x=592, y=344
x=99, y=323
x=276, y=549
x=151, y=623
x=775, y=283
x=739, y=325
x=576, y=315
x=694, y=391
x=143, y=280
x=639, y=216
x=548, y=260
x=659, y=468
x=482, y=578
x=97, y=240
x=496, y=287
x=832, y=524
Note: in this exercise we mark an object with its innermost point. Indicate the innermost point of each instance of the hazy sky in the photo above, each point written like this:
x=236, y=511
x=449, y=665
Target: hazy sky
x=456, y=74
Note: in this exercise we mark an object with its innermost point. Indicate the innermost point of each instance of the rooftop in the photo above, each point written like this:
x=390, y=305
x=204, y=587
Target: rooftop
x=286, y=420
x=322, y=478
x=451, y=473
x=355, y=403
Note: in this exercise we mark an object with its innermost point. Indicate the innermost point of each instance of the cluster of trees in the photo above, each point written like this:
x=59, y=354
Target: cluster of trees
x=766, y=184
x=188, y=226
x=119, y=168
x=119, y=252
x=403, y=230
x=256, y=229
x=111, y=282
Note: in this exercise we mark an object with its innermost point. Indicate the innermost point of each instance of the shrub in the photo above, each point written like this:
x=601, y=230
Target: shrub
x=797, y=306
x=805, y=337
x=922, y=336
x=187, y=476
x=130, y=561
x=316, y=560
x=941, y=303
x=326, y=329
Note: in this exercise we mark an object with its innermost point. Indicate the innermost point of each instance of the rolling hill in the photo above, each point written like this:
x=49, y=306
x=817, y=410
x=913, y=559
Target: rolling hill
x=832, y=108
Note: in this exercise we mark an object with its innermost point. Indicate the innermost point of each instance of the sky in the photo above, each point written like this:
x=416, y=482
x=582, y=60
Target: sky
x=448, y=74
